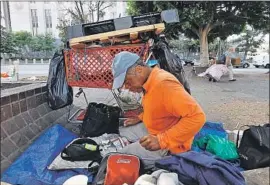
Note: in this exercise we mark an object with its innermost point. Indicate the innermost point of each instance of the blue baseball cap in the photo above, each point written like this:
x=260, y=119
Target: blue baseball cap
x=152, y=62
x=121, y=63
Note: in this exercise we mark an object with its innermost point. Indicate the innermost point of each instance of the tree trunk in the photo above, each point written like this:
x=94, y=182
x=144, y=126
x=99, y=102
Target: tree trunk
x=98, y=6
x=204, y=54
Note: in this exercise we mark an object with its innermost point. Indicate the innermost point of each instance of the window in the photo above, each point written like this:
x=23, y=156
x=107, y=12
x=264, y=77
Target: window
x=34, y=19
x=48, y=18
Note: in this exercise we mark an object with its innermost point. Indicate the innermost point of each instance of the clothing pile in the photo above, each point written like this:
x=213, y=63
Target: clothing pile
x=216, y=71
x=201, y=168
x=214, y=160
x=103, y=150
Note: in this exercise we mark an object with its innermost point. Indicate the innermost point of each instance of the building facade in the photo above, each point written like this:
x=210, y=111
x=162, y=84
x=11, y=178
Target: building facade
x=35, y=17
x=42, y=17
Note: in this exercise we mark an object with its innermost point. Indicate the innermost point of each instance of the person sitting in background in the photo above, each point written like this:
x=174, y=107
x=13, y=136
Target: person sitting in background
x=171, y=117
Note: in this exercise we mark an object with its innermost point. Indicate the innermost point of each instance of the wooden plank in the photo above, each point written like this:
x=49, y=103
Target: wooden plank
x=133, y=35
x=159, y=29
x=117, y=33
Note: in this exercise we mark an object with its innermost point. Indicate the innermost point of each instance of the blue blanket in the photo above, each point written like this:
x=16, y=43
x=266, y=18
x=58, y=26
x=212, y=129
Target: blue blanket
x=210, y=128
x=31, y=166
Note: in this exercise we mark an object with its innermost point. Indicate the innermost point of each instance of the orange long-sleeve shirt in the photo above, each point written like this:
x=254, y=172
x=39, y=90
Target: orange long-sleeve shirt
x=170, y=113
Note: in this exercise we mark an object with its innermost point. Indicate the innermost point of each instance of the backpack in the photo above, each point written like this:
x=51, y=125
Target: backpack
x=222, y=59
x=100, y=119
x=59, y=93
x=82, y=150
x=254, y=147
x=117, y=169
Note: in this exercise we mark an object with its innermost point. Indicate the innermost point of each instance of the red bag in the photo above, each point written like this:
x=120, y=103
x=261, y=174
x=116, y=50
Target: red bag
x=120, y=169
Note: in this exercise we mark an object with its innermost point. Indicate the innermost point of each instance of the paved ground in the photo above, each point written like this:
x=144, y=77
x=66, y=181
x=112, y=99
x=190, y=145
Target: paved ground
x=245, y=101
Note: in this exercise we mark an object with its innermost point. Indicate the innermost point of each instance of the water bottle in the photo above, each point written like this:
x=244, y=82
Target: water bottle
x=91, y=147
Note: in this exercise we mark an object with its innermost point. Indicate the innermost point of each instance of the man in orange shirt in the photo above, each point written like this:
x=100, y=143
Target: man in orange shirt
x=171, y=117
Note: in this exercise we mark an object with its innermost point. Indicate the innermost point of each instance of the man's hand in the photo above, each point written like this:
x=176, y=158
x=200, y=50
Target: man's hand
x=150, y=142
x=131, y=121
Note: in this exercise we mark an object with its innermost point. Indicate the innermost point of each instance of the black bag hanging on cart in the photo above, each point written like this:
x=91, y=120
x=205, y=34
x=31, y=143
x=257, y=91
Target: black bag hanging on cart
x=254, y=149
x=170, y=62
x=59, y=93
x=100, y=119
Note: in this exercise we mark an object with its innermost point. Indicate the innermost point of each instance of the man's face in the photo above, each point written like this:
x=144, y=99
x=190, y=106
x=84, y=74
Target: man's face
x=134, y=80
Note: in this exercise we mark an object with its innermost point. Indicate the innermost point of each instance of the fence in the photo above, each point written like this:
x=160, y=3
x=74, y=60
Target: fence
x=25, y=61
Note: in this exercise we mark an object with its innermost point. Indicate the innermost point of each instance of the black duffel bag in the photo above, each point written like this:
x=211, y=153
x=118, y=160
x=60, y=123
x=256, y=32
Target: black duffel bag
x=254, y=149
x=100, y=119
x=82, y=150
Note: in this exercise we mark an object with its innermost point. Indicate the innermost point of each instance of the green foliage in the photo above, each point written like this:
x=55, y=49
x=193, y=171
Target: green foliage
x=62, y=27
x=139, y=7
x=36, y=44
x=207, y=20
x=48, y=42
x=185, y=44
x=22, y=40
x=42, y=43
x=249, y=40
x=7, y=44
x=223, y=17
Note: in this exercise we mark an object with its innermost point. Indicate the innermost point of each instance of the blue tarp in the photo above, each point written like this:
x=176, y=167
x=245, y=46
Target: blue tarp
x=31, y=167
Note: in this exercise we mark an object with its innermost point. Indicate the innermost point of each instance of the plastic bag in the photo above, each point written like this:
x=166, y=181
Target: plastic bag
x=218, y=146
x=170, y=62
x=58, y=91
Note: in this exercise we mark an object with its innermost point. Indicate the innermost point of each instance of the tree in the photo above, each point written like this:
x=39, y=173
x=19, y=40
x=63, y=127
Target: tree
x=7, y=44
x=249, y=40
x=80, y=12
x=185, y=46
x=208, y=20
x=42, y=43
x=48, y=43
x=22, y=40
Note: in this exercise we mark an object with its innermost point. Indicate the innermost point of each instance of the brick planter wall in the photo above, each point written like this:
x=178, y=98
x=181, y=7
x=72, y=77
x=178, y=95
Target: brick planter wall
x=24, y=116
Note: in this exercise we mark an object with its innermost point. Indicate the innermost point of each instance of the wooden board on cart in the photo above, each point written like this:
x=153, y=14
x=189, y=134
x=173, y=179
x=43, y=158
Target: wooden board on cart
x=131, y=34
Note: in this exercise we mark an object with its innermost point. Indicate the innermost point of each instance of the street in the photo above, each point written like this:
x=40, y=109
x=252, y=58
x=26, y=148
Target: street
x=43, y=70
x=29, y=70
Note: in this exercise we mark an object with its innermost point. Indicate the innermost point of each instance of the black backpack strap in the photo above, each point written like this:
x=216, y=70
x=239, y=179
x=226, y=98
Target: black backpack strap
x=65, y=156
x=238, y=135
x=93, y=169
